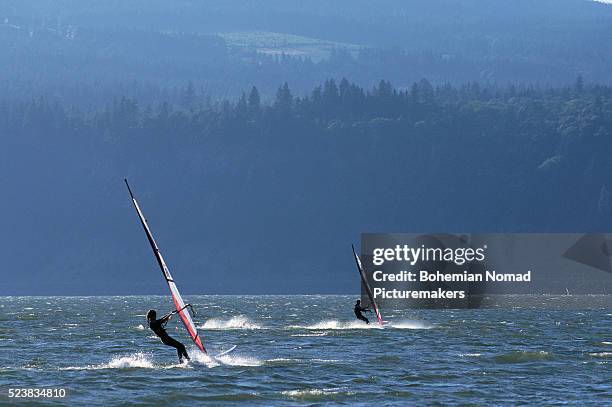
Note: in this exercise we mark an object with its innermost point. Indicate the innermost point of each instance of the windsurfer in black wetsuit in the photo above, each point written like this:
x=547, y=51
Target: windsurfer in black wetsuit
x=358, y=312
x=157, y=326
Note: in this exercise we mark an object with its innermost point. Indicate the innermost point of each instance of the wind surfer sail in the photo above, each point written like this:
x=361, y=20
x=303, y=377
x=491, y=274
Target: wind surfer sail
x=181, y=307
x=366, y=285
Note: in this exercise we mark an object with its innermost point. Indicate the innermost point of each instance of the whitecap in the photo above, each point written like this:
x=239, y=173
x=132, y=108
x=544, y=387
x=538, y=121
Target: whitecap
x=237, y=322
x=229, y=360
x=282, y=360
x=137, y=360
x=310, y=335
x=408, y=324
x=235, y=360
x=601, y=354
x=326, y=360
x=315, y=392
x=337, y=325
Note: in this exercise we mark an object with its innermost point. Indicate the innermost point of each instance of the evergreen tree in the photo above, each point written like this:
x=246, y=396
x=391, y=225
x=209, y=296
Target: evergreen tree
x=254, y=101
x=284, y=99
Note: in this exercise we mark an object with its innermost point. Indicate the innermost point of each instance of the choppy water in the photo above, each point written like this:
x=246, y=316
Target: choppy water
x=305, y=350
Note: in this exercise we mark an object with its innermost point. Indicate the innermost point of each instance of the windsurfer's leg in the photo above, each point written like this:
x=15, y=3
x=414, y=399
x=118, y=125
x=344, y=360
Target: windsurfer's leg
x=363, y=318
x=180, y=348
x=182, y=351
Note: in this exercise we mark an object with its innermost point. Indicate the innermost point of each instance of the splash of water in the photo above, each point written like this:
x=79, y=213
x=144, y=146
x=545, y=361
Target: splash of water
x=135, y=360
x=345, y=325
x=228, y=360
x=237, y=322
x=315, y=394
x=337, y=325
x=605, y=355
x=310, y=335
x=410, y=324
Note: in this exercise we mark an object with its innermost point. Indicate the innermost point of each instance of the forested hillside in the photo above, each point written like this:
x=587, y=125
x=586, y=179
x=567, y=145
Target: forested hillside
x=89, y=51
x=265, y=190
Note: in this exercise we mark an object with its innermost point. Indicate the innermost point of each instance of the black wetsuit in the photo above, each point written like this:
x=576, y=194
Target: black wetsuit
x=157, y=326
x=358, y=313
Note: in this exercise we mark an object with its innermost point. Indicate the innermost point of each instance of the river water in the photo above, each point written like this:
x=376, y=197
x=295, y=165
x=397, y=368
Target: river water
x=305, y=350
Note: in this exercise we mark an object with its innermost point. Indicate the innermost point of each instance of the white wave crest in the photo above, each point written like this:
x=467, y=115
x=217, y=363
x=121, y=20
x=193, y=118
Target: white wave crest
x=145, y=361
x=333, y=325
x=237, y=322
x=310, y=335
x=409, y=324
x=346, y=325
x=283, y=360
x=605, y=355
x=235, y=360
x=137, y=360
x=314, y=392
x=228, y=360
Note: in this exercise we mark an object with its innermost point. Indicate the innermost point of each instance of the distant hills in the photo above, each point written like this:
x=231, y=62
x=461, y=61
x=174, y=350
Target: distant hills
x=262, y=137
x=91, y=49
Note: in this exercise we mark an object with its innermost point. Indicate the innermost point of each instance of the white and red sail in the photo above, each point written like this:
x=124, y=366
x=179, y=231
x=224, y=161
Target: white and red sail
x=181, y=310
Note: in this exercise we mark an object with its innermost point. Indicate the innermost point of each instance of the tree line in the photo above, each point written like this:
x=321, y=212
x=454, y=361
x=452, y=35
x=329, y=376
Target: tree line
x=527, y=156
